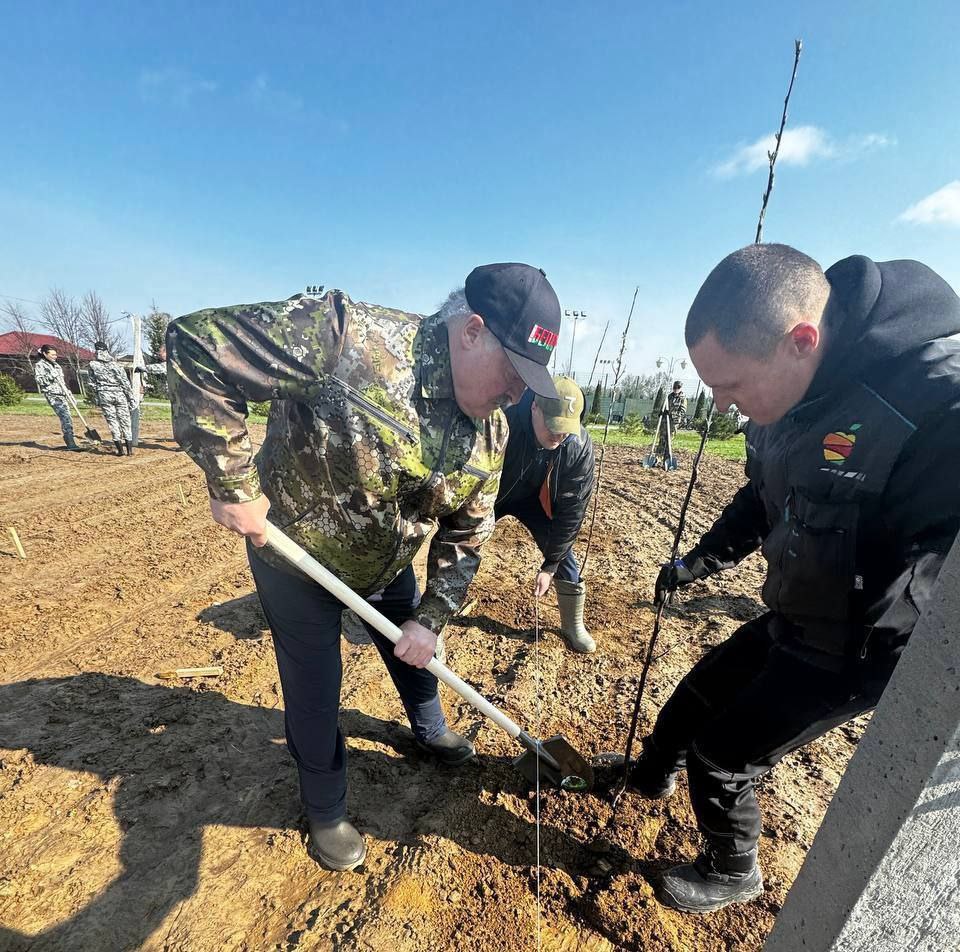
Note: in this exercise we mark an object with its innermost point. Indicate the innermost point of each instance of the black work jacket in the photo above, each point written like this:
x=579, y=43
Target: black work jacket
x=525, y=469
x=854, y=495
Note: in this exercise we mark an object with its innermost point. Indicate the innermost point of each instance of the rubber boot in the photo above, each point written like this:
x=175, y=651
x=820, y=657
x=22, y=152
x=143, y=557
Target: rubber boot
x=71, y=443
x=571, y=597
x=119, y=447
x=129, y=448
x=714, y=880
x=337, y=845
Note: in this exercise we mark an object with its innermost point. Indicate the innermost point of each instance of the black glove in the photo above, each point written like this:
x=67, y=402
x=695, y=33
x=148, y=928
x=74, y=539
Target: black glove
x=671, y=577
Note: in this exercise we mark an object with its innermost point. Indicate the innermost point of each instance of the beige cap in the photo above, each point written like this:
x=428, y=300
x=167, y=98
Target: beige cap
x=563, y=415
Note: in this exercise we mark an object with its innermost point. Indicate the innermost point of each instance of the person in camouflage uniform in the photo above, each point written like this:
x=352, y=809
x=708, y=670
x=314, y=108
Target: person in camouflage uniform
x=677, y=405
x=114, y=397
x=384, y=426
x=50, y=382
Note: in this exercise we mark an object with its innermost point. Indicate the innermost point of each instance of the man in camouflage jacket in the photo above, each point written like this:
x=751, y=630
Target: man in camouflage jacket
x=384, y=426
x=49, y=376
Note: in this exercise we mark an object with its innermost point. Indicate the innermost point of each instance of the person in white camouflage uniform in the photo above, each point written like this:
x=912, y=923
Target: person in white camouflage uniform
x=50, y=382
x=114, y=397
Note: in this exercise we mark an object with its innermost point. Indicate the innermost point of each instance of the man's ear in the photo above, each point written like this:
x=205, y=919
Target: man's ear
x=805, y=338
x=471, y=332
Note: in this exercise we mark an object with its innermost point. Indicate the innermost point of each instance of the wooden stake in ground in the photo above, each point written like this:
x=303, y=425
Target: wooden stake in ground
x=183, y=499
x=210, y=672
x=772, y=156
x=16, y=542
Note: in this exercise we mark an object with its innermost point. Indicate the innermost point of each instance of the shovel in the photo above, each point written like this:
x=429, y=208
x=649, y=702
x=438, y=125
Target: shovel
x=553, y=762
x=90, y=433
x=650, y=460
x=669, y=461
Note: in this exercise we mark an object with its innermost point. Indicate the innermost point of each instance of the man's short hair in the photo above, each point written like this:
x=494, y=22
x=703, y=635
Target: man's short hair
x=754, y=296
x=455, y=305
x=46, y=348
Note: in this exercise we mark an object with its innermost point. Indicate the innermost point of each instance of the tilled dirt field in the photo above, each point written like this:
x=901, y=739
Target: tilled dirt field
x=140, y=813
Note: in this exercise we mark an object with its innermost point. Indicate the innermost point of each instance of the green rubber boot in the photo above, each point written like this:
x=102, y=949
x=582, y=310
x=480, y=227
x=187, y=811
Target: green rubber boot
x=571, y=597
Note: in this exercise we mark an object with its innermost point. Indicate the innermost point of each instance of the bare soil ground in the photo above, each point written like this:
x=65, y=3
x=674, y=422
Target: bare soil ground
x=139, y=813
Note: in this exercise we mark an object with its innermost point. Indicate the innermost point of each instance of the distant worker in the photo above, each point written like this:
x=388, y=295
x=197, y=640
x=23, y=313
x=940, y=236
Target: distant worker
x=546, y=485
x=677, y=405
x=114, y=397
x=50, y=382
x=158, y=369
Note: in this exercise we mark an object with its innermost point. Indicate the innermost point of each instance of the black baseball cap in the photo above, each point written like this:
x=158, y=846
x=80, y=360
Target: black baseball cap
x=522, y=311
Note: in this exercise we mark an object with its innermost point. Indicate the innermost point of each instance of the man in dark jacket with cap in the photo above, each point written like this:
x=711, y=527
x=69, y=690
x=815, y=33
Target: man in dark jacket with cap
x=853, y=392
x=384, y=427
x=546, y=484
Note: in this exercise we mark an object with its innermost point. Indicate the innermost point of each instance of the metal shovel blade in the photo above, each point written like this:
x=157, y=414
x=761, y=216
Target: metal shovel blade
x=650, y=462
x=671, y=462
x=92, y=435
x=574, y=773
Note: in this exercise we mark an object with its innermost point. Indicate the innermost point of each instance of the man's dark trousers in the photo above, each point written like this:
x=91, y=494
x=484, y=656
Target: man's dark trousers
x=305, y=621
x=531, y=514
x=745, y=705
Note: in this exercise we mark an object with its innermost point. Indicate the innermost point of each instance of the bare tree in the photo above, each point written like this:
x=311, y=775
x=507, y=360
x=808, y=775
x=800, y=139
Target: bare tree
x=647, y=385
x=97, y=325
x=778, y=138
x=63, y=317
x=23, y=327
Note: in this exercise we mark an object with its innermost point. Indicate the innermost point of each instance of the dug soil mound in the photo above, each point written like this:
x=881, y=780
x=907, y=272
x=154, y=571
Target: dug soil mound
x=140, y=813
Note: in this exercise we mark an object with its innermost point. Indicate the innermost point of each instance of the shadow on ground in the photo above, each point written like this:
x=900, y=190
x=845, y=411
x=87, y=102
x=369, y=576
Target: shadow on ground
x=176, y=760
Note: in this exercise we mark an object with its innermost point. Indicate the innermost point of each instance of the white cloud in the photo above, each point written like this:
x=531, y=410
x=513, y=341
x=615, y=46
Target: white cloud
x=172, y=85
x=260, y=92
x=800, y=146
x=940, y=208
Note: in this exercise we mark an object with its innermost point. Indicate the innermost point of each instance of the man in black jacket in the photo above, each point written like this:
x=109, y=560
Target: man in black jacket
x=546, y=484
x=853, y=392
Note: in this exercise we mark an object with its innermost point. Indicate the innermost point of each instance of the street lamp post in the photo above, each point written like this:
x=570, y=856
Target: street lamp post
x=671, y=362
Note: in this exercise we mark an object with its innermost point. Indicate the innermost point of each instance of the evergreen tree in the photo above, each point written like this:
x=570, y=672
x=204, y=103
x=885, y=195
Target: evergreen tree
x=156, y=328
x=701, y=403
x=658, y=401
x=595, y=406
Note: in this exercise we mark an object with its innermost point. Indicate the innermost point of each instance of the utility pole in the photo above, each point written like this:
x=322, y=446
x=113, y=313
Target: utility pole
x=576, y=315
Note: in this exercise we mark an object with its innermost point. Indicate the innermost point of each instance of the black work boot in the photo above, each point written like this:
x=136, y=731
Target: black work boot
x=129, y=448
x=337, y=844
x=650, y=780
x=449, y=748
x=119, y=447
x=71, y=443
x=714, y=880
x=646, y=778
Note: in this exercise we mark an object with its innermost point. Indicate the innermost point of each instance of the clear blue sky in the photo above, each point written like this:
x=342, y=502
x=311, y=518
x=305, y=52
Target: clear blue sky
x=210, y=153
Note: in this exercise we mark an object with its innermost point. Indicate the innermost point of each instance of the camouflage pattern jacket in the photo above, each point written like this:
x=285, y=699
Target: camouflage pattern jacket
x=366, y=450
x=49, y=377
x=677, y=407
x=108, y=378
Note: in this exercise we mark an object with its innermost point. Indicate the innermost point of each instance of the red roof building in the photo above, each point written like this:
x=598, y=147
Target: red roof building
x=13, y=344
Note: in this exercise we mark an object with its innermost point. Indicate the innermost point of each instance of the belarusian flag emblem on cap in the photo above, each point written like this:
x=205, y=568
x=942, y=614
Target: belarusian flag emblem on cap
x=542, y=338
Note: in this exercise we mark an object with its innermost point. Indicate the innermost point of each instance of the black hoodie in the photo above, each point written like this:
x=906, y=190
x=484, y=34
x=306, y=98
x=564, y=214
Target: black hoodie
x=525, y=468
x=854, y=495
